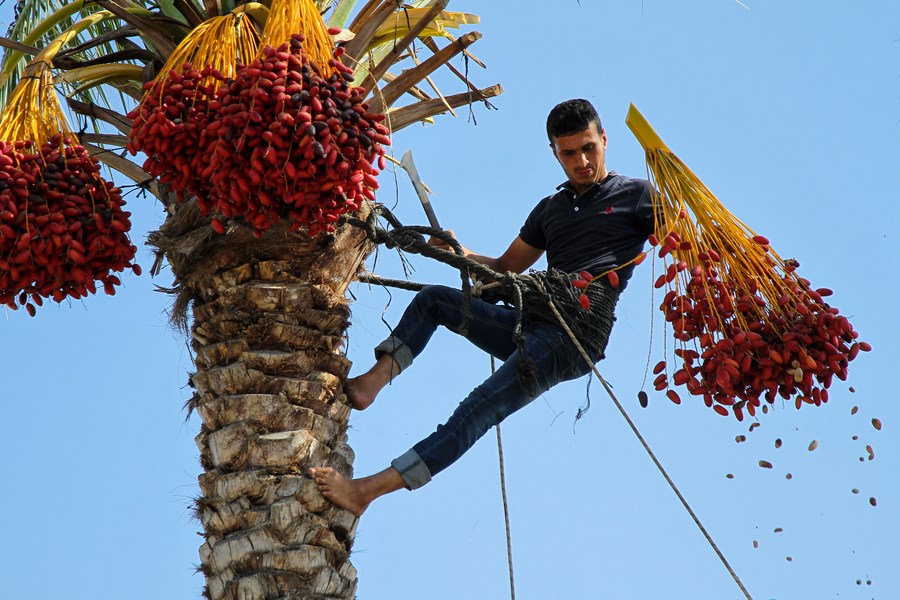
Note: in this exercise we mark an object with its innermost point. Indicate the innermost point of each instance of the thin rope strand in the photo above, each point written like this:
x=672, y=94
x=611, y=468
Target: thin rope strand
x=509, y=557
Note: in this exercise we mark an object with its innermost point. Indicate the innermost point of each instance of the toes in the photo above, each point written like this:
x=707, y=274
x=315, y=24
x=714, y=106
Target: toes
x=324, y=478
x=320, y=472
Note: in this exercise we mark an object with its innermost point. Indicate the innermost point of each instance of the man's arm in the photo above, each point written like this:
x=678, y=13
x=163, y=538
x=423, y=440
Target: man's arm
x=518, y=257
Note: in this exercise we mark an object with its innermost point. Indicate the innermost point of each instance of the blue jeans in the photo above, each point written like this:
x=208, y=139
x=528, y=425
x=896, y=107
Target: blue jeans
x=491, y=329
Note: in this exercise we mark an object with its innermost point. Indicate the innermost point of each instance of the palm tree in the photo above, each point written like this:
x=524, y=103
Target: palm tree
x=266, y=315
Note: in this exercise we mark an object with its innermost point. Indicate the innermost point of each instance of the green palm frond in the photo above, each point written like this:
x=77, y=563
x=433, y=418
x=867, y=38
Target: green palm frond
x=91, y=54
x=29, y=14
x=125, y=36
x=38, y=22
x=341, y=13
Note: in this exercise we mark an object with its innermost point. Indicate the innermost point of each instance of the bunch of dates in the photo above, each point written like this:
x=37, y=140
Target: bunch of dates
x=279, y=140
x=62, y=226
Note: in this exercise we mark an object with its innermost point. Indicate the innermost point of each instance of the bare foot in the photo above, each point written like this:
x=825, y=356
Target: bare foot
x=340, y=490
x=355, y=494
x=361, y=391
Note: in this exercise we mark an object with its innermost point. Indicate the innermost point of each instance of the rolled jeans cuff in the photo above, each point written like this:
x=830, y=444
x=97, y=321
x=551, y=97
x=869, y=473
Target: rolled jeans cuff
x=412, y=469
x=399, y=351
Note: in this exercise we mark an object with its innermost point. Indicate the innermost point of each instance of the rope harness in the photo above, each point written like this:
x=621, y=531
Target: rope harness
x=545, y=296
x=535, y=296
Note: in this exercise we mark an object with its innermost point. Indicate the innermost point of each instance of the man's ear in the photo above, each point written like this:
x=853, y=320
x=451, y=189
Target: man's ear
x=553, y=150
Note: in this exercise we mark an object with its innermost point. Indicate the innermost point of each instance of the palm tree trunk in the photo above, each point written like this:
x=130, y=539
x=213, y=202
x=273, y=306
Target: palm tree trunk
x=269, y=317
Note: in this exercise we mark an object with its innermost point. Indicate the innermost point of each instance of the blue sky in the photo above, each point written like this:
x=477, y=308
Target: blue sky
x=789, y=112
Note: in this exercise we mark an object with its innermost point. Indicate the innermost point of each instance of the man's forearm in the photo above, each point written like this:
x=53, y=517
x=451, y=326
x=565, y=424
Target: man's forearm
x=518, y=257
x=491, y=263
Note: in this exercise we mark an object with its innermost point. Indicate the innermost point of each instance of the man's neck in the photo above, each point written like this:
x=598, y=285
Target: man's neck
x=579, y=190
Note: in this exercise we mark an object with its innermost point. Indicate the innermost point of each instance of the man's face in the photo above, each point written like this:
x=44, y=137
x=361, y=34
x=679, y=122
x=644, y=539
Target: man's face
x=582, y=156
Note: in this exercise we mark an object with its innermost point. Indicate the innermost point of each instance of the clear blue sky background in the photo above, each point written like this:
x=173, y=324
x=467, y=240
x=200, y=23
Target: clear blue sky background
x=789, y=112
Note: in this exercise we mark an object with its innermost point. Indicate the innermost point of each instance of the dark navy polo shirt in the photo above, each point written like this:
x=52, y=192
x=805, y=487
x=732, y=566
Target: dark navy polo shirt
x=603, y=228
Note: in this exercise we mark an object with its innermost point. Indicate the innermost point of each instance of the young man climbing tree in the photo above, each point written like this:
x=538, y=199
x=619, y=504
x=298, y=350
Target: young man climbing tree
x=596, y=221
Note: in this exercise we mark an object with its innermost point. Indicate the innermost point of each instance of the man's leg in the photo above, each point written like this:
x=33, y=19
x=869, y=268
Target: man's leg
x=490, y=328
x=555, y=360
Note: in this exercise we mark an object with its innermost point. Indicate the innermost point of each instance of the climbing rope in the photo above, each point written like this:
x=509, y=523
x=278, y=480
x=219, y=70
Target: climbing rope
x=509, y=558
x=534, y=294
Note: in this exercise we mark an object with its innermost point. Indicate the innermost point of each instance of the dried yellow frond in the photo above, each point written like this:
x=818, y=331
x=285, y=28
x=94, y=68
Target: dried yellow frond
x=681, y=195
x=287, y=17
x=220, y=42
x=34, y=112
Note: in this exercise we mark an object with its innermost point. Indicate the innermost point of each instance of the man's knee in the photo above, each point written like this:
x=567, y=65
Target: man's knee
x=433, y=294
x=433, y=298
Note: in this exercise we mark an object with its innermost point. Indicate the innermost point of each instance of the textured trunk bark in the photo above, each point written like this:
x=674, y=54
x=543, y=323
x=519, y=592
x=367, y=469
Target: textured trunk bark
x=269, y=318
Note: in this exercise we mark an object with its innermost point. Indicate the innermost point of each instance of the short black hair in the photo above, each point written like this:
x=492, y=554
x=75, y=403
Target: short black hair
x=571, y=116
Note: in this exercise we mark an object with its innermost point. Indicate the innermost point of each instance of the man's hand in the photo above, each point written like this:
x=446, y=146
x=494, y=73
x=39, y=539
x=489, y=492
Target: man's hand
x=439, y=243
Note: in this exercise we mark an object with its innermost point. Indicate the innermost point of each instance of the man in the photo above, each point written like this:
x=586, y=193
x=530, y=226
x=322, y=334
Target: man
x=597, y=220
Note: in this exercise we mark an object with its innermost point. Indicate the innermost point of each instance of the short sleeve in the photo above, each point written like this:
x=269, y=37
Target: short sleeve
x=644, y=209
x=532, y=232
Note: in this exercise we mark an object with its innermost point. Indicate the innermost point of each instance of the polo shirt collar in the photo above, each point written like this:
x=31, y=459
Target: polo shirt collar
x=567, y=185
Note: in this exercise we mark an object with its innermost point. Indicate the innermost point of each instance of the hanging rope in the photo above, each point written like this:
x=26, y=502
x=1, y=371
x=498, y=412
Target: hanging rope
x=534, y=293
x=415, y=287
x=509, y=558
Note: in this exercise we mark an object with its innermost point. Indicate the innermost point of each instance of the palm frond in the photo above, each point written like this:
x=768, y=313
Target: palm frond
x=153, y=28
x=39, y=22
x=392, y=91
x=101, y=113
x=428, y=22
x=18, y=46
x=412, y=31
x=385, y=33
x=117, y=36
x=29, y=15
x=341, y=13
x=120, y=57
x=123, y=166
x=399, y=118
x=365, y=29
x=91, y=76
